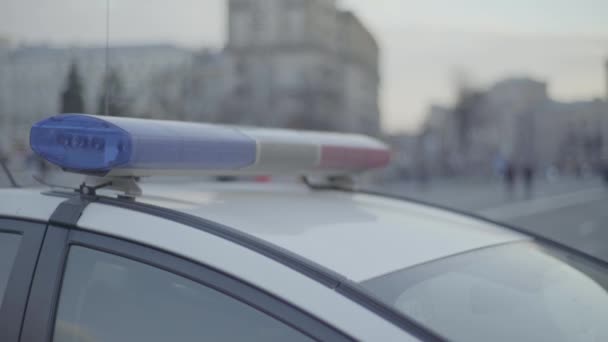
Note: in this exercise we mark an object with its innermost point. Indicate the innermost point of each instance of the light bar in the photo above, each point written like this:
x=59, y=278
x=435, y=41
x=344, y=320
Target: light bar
x=117, y=146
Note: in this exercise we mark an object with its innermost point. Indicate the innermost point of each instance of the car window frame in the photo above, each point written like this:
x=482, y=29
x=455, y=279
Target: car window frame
x=42, y=307
x=12, y=309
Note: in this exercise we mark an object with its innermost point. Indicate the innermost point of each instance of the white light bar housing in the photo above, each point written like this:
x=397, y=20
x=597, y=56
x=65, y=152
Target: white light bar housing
x=128, y=147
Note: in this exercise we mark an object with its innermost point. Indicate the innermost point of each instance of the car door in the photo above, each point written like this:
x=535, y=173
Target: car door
x=20, y=242
x=92, y=287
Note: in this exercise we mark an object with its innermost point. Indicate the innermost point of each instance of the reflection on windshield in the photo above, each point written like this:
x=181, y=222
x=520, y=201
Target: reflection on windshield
x=517, y=292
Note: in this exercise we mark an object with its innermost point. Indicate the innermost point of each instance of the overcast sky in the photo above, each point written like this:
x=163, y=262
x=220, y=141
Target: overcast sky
x=424, y=42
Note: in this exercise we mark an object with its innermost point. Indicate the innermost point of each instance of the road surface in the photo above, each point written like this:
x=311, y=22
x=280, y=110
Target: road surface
x=574, y=212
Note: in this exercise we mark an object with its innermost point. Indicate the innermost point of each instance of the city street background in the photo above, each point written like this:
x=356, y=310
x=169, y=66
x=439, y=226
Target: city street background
x=571, y=211
x=472, y=99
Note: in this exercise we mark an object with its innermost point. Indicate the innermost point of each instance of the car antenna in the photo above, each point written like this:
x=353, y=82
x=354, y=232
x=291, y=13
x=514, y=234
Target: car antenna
x=107, y=62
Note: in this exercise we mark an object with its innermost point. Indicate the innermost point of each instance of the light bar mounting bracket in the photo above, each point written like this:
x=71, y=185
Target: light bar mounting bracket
x=127, y=185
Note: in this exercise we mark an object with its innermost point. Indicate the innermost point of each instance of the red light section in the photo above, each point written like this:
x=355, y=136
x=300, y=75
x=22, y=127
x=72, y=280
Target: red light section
x=340, y=157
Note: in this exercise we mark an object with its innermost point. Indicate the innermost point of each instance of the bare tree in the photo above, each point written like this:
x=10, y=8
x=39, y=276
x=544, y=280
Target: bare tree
x=467, y=116
x=113, y=91
x=467, y=109
x=71, y=97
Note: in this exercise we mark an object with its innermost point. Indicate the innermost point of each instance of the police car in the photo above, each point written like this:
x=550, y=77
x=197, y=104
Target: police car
x=119, y=258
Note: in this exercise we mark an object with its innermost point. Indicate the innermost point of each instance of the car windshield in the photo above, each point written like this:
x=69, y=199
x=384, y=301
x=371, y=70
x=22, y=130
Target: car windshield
x=513, y=292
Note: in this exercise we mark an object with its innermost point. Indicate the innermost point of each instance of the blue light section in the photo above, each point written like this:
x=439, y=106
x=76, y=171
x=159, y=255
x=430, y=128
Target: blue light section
x=160, y=144
x=95, y=144
x=81, y=143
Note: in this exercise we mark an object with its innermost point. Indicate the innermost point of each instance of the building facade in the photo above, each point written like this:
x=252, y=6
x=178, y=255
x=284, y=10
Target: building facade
x=301, y=64
x=515, y=121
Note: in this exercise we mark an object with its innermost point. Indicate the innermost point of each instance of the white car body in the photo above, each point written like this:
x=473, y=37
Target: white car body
x=356, y=236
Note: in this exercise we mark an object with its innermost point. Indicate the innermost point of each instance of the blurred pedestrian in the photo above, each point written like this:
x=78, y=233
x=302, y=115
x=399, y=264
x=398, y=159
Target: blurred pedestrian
x=528, y=175
x=509, y=177
x=499, y=165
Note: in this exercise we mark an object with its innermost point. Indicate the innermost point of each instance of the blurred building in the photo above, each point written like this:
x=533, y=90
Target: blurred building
x=32, y=79
x=516, y=121
x=404, y=157
x=573, y=135
x=190, y=91
x=440, y=135
x=300, y=63
x=508, y=118
x=287, y=63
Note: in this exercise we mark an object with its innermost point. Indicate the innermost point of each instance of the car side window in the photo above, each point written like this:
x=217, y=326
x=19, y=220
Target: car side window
x=105, y=297
x=9, y=245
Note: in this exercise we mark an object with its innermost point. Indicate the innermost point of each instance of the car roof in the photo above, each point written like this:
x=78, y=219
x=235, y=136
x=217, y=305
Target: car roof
x=28, y=203
x=356, y=235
